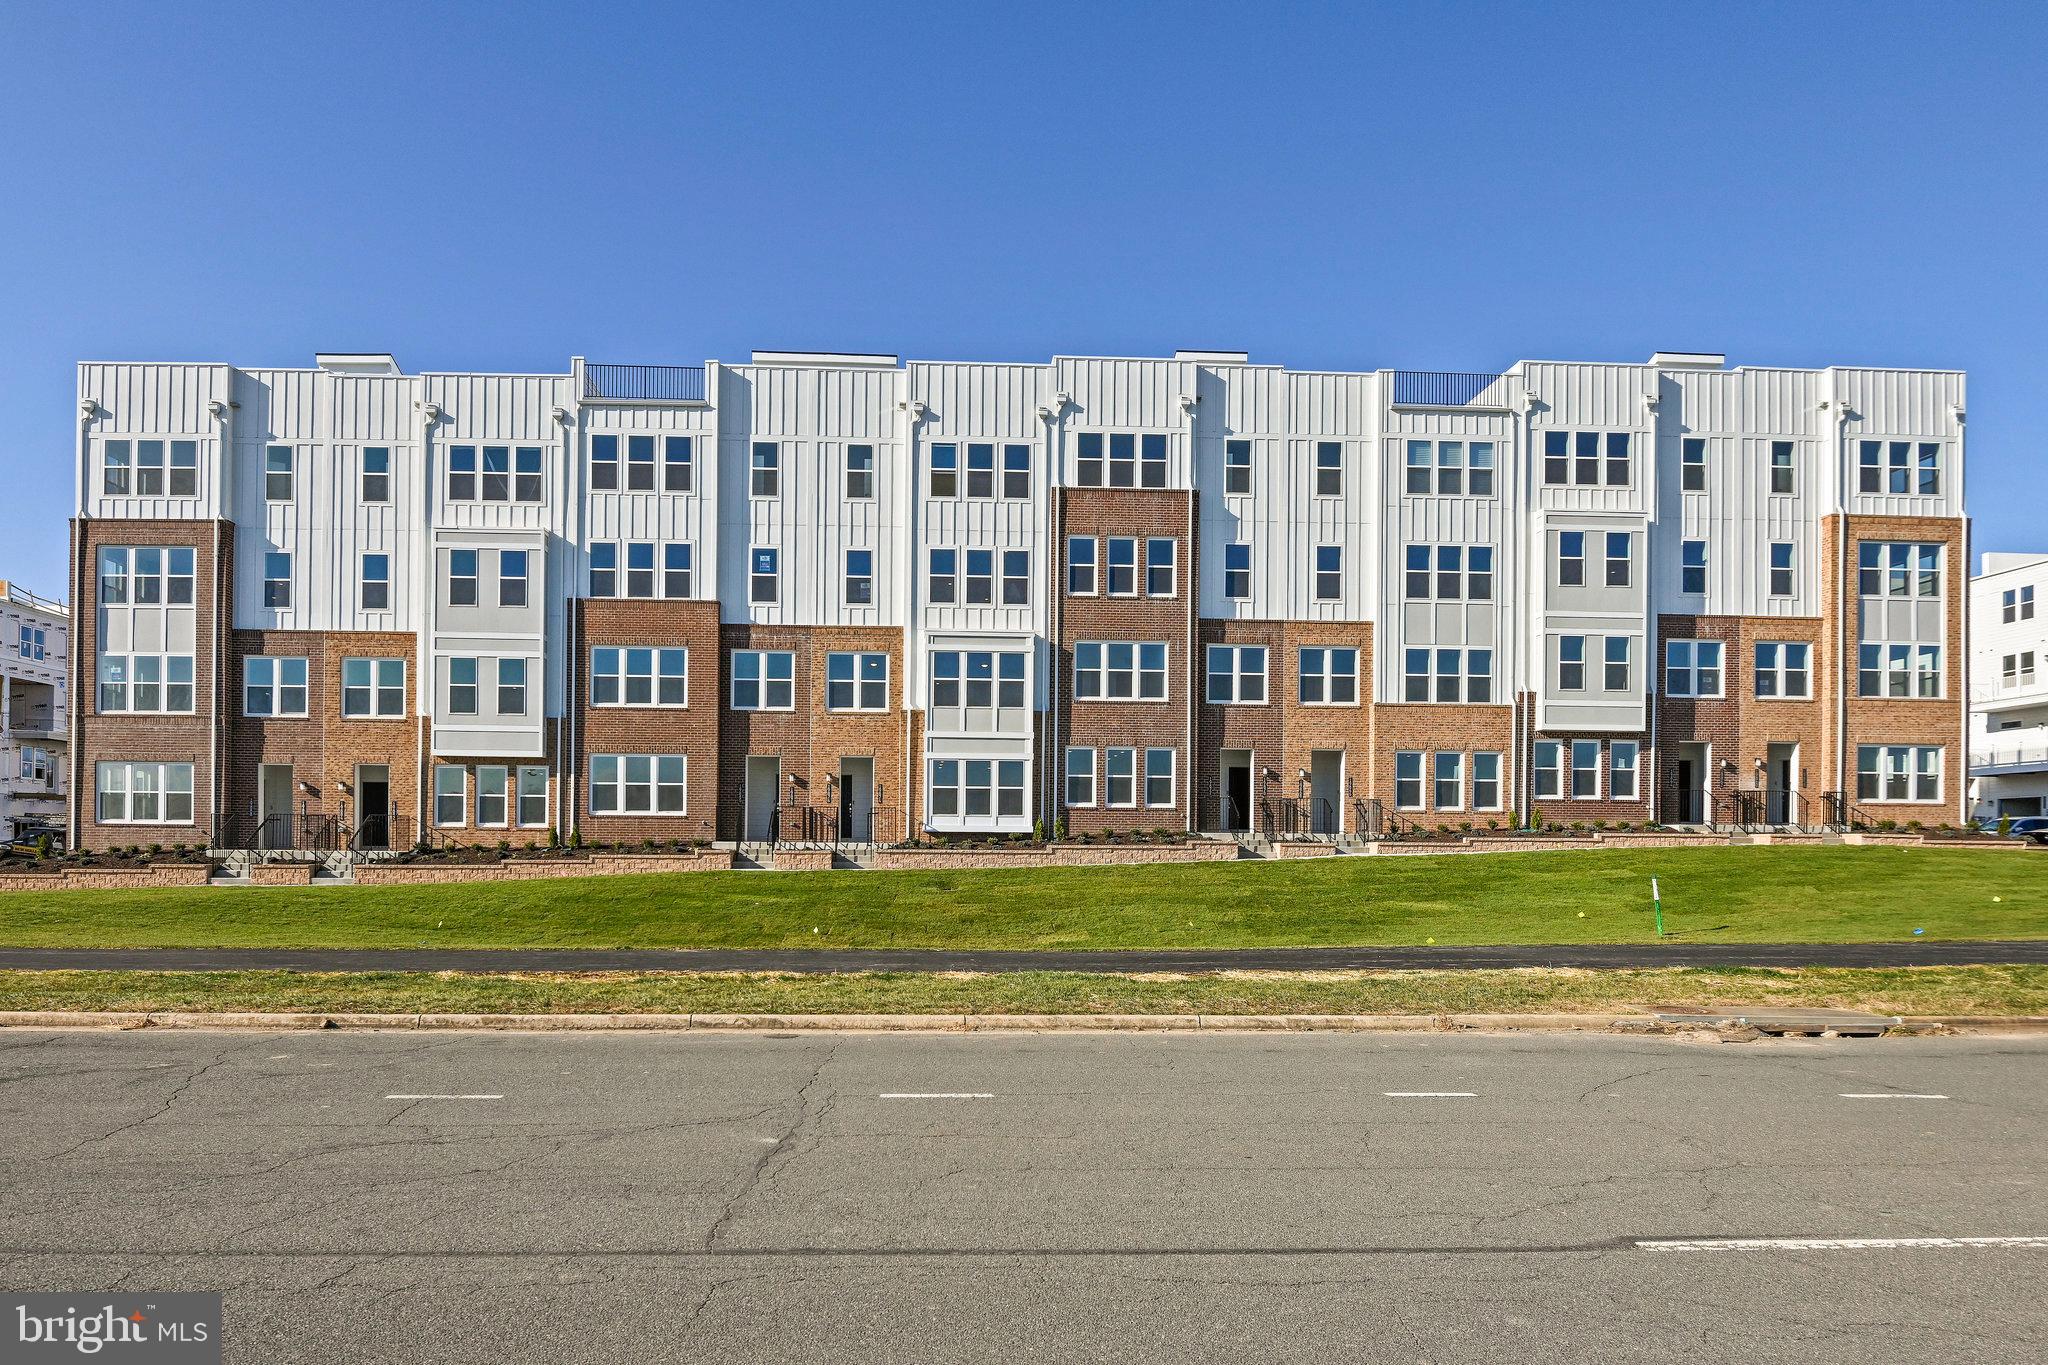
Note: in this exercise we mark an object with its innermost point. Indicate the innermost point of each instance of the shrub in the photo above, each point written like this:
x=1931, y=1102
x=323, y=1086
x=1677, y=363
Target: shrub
x=2005, y=826
x=42, y=846
x=1493, y=824
x=1535, y=819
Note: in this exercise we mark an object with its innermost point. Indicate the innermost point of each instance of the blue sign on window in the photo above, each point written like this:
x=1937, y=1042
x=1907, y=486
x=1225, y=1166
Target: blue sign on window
x=764, y=561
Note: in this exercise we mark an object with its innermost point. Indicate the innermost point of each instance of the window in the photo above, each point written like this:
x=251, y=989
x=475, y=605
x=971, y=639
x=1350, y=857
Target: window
x=1123, y=451
x=1081, y=566
x=1549, y=770
x=1585, y=769
x=860, y=577
x=1329, y=573
x=149, y=467
x=1159, y=566
x=856, y=682
x=277, y=473
x=277, y=579
x=1586, y=457
x=1017, y=577
x=1898, y=670
x=2019, y=604
x=1416, y=581
x=678, y=468
x=1781, y=467
x=1692, y=566
x=1080, y=777
x=1159, y=777
x=1123, y=566
x=526, y=466
x=1897, y=569
x=114, y=467
x=376, y=474
x=860, y=471
x=1237, y=571
x=1016, y=470
x=462, y=578
x=675, y=570
x=1617, y=459
x=604, y=569
x=1329, y=469
x=533, y=798
x=1486, y=781
x=984, y=687
x=1782, y=669
x=513, y=473
x=273, y=686
x=1897, y=467
x=604, y=463
x=1898, y=772
x=1571, y=558
x=1237, y=466
x=981, y=470
x=33, y=642
x=160, y=574
x=1692, y=668
x=155, y=683
x=37, y=764
x=1450, y=572
x=492, y=782
x=971, y=787
x=1617, y=672
x=1119, y=773
x=462, y=687
x=451, y=795
x=1326, y=676
x=1927, y=482
x=1449, y=785
x=1692, y=465
x=1574, y=457
x=1479, y=573
x=641, y=675
x=374, y=591
x=640, y=464
x=1088, y=459
x=981, y=578
x=941, y=584
x=1621, y=770
x=1415, y=675
x=1119, y=670
x=1571, y=663
x=639, y=568
x=1420, y=459
x=766, y=469
x=945, y=471
x=638, y=784
x=1447, y=675
x=1557, y=462
x=1781, y=569
x=1618, y=558
x=1153, y=450
x=763, y=680
x=1236, y=674
x=511, y=578
x=1450, y=466
x=764, y=581
x=1408, y=780
x=1481, y=482
x=143, y=793
x=511, y=687
x=373, y=687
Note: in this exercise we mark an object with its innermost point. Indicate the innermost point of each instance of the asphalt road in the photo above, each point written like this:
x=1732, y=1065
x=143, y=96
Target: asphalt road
x=768, y=1198
x=1906, y=953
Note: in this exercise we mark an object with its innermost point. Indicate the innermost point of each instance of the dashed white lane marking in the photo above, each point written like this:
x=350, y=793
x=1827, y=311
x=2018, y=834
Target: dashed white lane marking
x=937, y=1095
x=444, y=1097
x=1836, y=1243
x=1430, y=1094
x=1886, y=1095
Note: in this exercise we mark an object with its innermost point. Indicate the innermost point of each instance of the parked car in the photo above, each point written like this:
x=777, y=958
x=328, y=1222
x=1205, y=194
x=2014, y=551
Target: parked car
x=2033, y=827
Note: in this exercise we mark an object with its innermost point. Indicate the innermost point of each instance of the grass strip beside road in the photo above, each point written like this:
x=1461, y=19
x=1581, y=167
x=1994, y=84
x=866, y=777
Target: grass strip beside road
x=1988, y=990
x=1711, y=895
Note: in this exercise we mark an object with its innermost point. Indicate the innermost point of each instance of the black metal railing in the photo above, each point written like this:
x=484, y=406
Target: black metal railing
x=836, y=827
x=1290, y=817
x=1839, y=813
x=1441, y=388
x=305, y=833
x=645, y=383
x=393, y=834
x=1368, y=818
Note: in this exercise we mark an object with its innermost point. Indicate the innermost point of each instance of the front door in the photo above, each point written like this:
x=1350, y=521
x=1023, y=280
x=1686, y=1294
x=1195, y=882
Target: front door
x=373, y=806
x=857, y=800
x=764, y=779
x=1325, y=789
x=1237, y=789
x=1781, y=766
x=274, y=789
x=1688, y=784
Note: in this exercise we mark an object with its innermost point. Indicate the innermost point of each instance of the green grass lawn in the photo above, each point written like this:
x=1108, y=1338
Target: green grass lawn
x=1998, y=990
x=1724, y=895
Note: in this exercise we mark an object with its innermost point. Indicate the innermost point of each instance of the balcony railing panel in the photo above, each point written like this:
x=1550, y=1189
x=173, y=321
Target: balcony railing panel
x=645, y=383
x=1447, y=389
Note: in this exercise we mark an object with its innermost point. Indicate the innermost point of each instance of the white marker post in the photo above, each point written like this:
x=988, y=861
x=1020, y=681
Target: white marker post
x=1657, y=903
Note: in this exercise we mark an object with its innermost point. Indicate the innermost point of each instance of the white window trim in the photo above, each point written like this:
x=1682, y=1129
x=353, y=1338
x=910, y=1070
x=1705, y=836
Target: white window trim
x=1137, y=544
x=1145, y=777
x=1137, y=776
x=546, y=797
x=1634, y=770
x=436, y=795
x=1780, y=671
x=857, y=655
x=1326, y=675
x=1095, y=585
x=373, y=713
x=505, y=794
x=732, y=692
x=1067, y=776
x=1499, y=779
x=1912, y=752
x=1692, y=669
x=277, y=686
x=1138, y=671
x=1172, y=567
x=1422, y=771
x=1571, y=769
x=654, y=679
x=1237, y=674
x=163, y=792
x=1434, y=780
x=654, y=786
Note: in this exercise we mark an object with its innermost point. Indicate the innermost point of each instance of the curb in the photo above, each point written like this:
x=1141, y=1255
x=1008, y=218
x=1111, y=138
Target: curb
x=935, y=1023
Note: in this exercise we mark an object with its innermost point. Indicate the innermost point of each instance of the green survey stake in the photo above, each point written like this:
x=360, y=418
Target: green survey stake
x=1657, y=903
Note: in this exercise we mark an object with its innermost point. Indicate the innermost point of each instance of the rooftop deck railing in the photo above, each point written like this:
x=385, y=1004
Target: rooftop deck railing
x=644, y=383
x=1446, y=389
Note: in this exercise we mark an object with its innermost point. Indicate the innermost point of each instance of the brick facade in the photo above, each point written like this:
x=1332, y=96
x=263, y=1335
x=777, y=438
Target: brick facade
x=691, y=729
x=1429, y=728
x=1740, y=727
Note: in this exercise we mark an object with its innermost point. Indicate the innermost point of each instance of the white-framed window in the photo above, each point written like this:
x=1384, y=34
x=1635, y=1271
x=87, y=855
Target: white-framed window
x=511, y=687
x=1692, y=465
x=494, y=473
x=860, y=471
x=2019, y=669
x=34, y=642
x=148, y=574
x=462, y=686
x=639, y=675
x=1898, y=467
x=944, y=470
x=1619, y=546
x=150, y=467
x=2018, y=604
x=463, y=577
x=143, y=793
x=1486, y=781
x=764, y=576
x=976, y=679
x=1692, y=566
x=1080, y=777
x=1017, y=577
x=1571, y=663
x=1576, y=457
x=512, y=578
x=1119, y=670
x=1784, y=474
x=152, y=684
x=981, y=577
x=1237, y=466
x=1549, y=770
x=677, y=562
x=533, y=798
x=678, y=466
x=1617, y=658
x=1119, y=777
x=1571, y=559
x=1781, y=568
x=37, y=763
x=277, y=578
x=1447, y=675
x=766, y=470
x=1898, y=670
x=604, y=463
x=493, y=796
x=1897, y=569
x=604, y=568
x=1898, y=772
x=1783, y=669
x=763, y=680
x=1585, y=770
x=372, y=688
x=639, y=784
x=1329, y=573
x=376, y=474
x=640, y=568
x=1329, y=469
x=975, y=788
x=451, y=795
x=1236, y=674
x=1081, y=566
x=860, y=577
x=273, y=686
x=373, y=587
x=1449, y=573
x=1447, y=779
x=1450, y=467
x=1326, y=675
x=1016, y=470
x=981, y=469
x=1692, y=668
x=1123, y=566
x=1160, y=557
x=279, y=476
x=1408, y=780
x=856, y=682
x=1237, y=571
x=1159, y=777
x=640, y=464
x=943, y=577
x=1621, y=769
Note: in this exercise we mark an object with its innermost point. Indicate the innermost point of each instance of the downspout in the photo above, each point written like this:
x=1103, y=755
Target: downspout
x=425, y=596
x=75, y=758
x=566, y=761
x=223, y=413
x=1842, y=572
x=1190, y=587
x=1056, y=475
x=1960, y=575
x=913, y=628
x=1652, y=636
x=1527, y=697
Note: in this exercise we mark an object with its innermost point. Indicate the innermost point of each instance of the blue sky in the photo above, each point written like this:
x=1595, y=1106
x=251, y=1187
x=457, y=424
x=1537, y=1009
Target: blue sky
x=1417, y=185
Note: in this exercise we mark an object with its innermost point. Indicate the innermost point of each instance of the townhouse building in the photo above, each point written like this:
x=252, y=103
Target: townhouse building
x=843, y=596
x=34, y=725
x=2009, y=687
